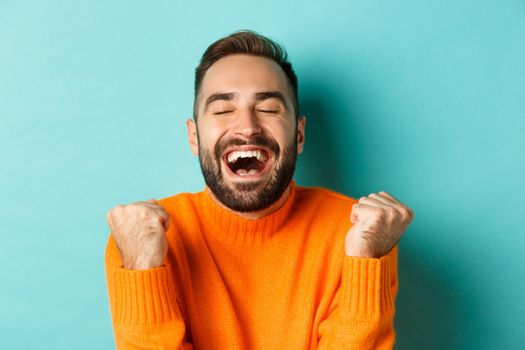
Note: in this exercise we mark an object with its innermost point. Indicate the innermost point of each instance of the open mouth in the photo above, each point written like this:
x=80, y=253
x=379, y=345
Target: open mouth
x=247, y=163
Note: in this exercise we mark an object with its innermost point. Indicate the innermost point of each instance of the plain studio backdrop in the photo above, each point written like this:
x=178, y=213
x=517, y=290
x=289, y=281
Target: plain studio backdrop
x=422, y=99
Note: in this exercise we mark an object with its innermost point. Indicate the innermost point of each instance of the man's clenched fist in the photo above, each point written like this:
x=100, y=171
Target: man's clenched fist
x=139, y=230
x=378, y=222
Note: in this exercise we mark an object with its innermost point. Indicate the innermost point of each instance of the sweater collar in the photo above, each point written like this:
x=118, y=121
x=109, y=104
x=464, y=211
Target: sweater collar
x=229, y=227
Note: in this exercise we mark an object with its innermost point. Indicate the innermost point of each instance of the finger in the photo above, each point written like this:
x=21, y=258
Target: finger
x=164, y=217
x=354, y=217
x=360, y=212
x=389, y=196
x=410, y=212
x=354, y=214
x=151, y=203
x=397, y=203
x=373, y=202
x=382, y=199
x=363, y=207
x=166, y=225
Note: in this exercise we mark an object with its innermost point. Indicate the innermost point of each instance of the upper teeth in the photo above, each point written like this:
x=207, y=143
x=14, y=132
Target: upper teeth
x=233, y=156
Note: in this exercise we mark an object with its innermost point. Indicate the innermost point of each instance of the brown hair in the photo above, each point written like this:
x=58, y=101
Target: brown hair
x=251, y=43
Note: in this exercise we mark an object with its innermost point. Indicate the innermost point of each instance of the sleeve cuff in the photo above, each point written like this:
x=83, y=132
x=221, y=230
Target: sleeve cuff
x=366, y=285
x=144, y=296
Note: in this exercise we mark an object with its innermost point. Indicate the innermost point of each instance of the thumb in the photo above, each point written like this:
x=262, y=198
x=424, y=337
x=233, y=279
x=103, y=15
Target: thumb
x=166, y=225
x=354, y=217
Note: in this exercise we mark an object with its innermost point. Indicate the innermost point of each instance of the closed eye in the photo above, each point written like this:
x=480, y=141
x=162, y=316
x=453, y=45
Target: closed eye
x=223, y=112
x=268, y=111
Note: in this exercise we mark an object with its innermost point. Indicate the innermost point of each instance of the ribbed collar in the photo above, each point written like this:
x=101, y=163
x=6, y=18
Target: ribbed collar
x=228, y=227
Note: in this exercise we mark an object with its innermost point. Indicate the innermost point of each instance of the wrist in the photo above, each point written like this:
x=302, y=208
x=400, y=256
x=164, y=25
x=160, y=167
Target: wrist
x=142, y=263
x=361, y=252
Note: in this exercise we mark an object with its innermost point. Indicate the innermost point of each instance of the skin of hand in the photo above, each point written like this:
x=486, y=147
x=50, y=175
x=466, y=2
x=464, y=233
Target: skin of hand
x=139, y=229
x=378, y=222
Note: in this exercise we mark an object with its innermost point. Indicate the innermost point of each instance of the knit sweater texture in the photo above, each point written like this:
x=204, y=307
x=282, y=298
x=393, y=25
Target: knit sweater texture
x=279, y=282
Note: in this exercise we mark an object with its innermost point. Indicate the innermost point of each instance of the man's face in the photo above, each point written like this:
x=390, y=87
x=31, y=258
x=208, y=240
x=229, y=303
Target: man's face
x=246, y=136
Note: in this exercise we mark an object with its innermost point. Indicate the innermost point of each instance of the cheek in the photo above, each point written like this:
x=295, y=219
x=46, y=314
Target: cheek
x=283, y=133
x=208, y=136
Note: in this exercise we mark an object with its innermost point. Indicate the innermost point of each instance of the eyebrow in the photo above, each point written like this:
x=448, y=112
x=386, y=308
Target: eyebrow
x=259, y=96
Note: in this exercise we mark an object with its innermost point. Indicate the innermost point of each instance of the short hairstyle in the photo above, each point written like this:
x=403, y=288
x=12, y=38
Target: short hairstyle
x=251, y=43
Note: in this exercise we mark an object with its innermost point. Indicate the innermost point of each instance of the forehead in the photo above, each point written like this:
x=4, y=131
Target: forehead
x=244, y=74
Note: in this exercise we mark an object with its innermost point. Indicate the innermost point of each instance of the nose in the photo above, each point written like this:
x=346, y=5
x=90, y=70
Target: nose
x=247, y=124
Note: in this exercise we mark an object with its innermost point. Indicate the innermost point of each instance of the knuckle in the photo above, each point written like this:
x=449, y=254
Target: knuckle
x=120, y=211
x=406, y=211
x=140, y=206
x=152, y=221
x=114, y=211
x=135, y=205
x=378, y=213
x=400, y=207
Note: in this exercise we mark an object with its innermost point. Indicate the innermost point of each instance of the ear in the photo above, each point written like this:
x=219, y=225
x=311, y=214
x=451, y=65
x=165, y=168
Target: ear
x=192, y=136
x=301, y=123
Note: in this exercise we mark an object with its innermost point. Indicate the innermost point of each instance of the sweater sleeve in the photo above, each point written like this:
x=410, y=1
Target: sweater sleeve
x=144, y=309
x=362, y=312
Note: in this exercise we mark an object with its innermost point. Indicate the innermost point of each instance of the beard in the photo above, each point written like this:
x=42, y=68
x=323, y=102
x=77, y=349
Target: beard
x=255, y=195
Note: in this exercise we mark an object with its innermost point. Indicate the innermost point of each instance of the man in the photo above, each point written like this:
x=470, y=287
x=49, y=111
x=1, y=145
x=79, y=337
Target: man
x=253, y=261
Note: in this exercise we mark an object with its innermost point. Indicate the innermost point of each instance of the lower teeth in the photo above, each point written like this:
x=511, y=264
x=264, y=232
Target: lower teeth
x=243, y=172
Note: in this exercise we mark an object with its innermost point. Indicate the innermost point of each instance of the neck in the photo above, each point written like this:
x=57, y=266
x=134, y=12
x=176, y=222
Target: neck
x=254, y=215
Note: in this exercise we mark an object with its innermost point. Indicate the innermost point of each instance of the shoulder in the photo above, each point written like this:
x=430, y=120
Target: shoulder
x=324, y=198
x=322, y=205
x=180, y=202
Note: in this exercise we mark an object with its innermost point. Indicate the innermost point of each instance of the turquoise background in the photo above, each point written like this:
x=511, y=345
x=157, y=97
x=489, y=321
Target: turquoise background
x=423, y=99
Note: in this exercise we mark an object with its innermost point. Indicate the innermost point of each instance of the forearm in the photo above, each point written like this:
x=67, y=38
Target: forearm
x=144, y=308
x=364, y=316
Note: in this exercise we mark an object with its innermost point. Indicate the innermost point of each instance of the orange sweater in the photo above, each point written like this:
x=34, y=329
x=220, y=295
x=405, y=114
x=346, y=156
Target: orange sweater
x=279, y=282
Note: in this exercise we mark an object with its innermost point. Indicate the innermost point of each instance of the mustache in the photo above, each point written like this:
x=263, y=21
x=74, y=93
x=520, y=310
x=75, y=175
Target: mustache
x=258, y=140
